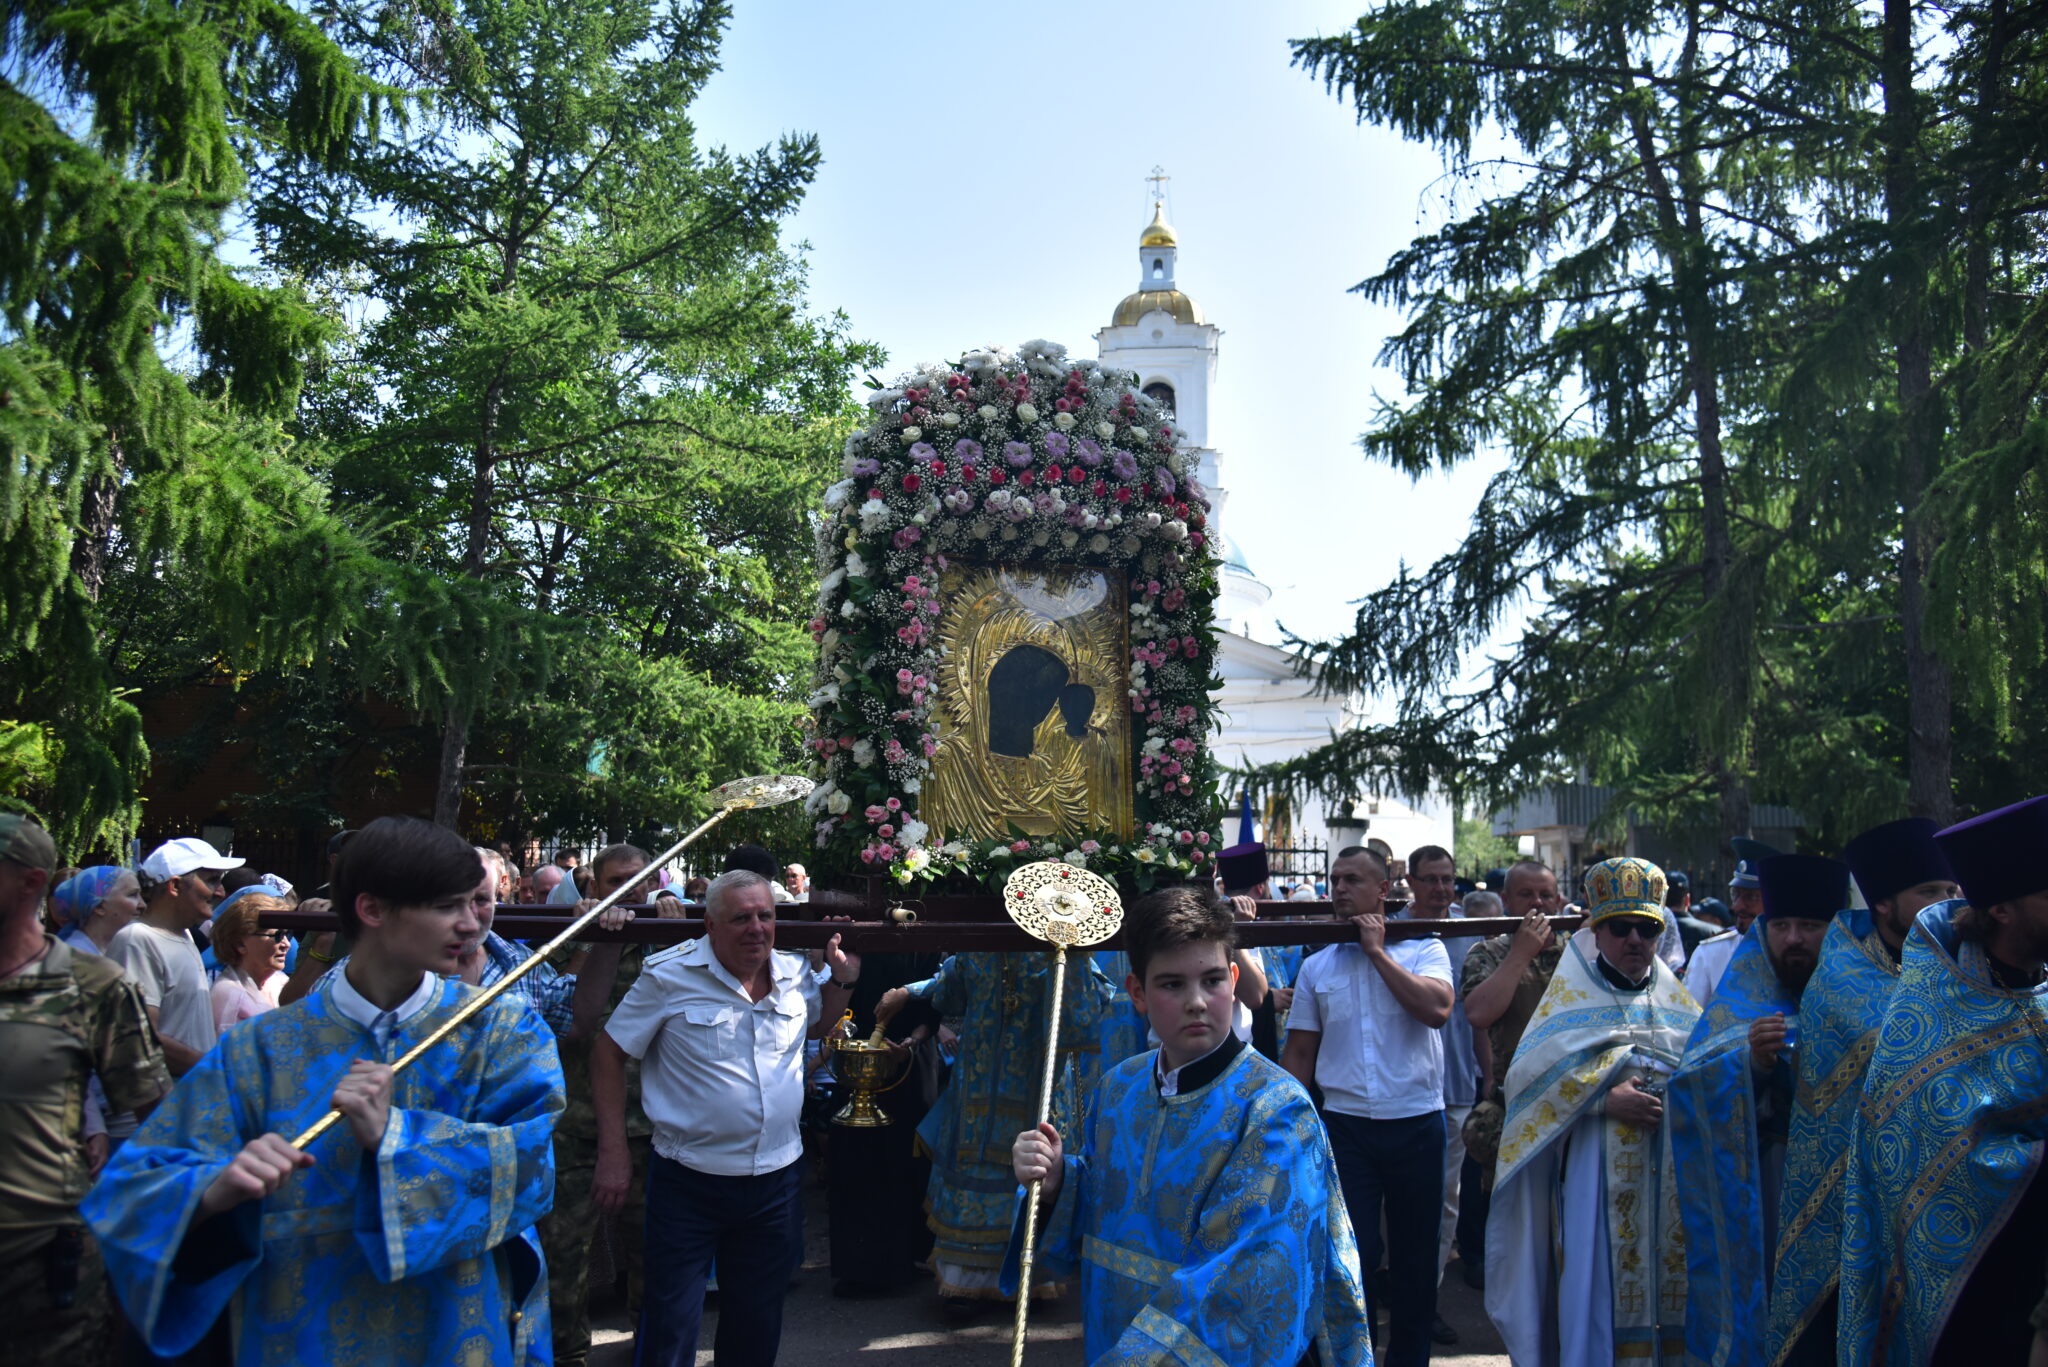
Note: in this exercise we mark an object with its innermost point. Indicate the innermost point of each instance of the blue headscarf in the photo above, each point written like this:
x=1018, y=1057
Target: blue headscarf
x=77, y=895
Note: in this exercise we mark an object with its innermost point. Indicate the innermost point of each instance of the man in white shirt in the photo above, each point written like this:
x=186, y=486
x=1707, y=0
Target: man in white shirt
x=719, y=1026
x=1365, y=1028
x=181, y=885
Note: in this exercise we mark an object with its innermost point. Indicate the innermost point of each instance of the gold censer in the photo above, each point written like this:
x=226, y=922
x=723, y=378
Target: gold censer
x=864, y=1066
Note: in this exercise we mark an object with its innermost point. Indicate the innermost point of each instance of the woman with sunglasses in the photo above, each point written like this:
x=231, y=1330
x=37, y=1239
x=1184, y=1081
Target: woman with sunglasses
x=251, y=957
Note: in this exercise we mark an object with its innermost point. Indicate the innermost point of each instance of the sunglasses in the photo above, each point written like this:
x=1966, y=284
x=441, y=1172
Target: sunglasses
x=272, y=935
x=1632, y=929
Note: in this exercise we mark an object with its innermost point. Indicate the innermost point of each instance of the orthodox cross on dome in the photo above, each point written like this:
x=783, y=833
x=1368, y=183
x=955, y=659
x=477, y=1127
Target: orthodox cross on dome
x=1158, y=178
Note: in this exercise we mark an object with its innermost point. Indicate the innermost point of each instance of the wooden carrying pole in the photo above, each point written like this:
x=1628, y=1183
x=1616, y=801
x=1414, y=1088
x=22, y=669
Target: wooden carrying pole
x=761, y=791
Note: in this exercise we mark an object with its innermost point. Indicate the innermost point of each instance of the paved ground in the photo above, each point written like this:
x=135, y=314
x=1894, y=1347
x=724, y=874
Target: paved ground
x=911, y=1330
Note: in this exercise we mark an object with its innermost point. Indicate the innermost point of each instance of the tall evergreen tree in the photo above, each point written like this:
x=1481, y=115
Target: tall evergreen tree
x=143, y=380
x=1752, y=290
x=583, y=384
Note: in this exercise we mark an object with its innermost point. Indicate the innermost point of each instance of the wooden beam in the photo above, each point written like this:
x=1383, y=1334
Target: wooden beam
x=1279, y=924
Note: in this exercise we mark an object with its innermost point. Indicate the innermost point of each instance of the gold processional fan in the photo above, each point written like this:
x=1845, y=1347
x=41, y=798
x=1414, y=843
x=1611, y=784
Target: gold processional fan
x=761, y=790
x=1064, y=906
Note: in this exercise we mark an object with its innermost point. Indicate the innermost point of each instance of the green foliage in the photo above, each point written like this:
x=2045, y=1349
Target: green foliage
x=514, y=420
x=125, y=136
x=582, y=385
x=1689, y=305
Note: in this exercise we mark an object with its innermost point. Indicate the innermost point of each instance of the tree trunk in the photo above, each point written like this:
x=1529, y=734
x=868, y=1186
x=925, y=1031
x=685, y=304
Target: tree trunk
x=93, y=547
x=1684, y=246
x=448, y=781
x=1930, y=789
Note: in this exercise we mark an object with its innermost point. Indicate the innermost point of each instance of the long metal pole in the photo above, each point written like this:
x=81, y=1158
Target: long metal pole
x=527, y=965
x=1052, y=1059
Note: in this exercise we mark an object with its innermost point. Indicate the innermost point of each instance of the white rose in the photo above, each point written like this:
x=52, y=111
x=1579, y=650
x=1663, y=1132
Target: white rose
x=1040, y=537
x=1105, y=430
x=1151, y=521
x=915, y=859
x=1076, y=858
x=987, y=411
x=1026, y=413
x=856, y=567
x=1175, y=530
x=838, y=803
x=914, y=832
x=1131, y=544
x=911, y=434
x=1009, y=533
x=830, y=642
x=1144, y=855
x=1063, y=421
x=919, y=518
x=837, y=495
x=912, y=785
x=863, y=754
x=1098, y=543
x=1070, y=539
x=848, y=610
x=949, y=419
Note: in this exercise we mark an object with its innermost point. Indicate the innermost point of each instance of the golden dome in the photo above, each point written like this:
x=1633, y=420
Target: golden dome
x=1158, y=233
x=1136, y=306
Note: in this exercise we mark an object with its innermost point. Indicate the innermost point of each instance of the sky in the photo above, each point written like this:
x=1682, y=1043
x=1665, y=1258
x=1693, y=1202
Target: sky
x=984, y=182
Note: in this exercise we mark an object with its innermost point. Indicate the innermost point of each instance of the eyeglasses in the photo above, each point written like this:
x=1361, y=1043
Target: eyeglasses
x=1634, y=930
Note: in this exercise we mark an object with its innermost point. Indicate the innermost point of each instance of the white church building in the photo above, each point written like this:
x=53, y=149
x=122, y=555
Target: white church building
x=1270, y=710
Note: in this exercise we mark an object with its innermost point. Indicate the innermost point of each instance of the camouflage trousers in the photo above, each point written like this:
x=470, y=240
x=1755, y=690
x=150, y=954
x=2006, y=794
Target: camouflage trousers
x=40, y=1334
x=570, y=1230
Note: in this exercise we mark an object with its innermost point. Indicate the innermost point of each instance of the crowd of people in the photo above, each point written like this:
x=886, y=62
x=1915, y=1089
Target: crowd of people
x=1798, y=1126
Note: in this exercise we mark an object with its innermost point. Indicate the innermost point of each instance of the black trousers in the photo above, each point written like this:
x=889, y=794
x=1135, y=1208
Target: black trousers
x=753, y=1226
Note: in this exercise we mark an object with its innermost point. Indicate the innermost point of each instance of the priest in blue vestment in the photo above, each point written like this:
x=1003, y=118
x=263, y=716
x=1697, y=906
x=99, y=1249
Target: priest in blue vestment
x=1203, y=1210
x=1900, y=871
x=404, y=1234
x=1945, y=1223
x=1731, y=1104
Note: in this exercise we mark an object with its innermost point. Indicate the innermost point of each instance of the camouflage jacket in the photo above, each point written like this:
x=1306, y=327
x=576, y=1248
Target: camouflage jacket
x=64, y=1020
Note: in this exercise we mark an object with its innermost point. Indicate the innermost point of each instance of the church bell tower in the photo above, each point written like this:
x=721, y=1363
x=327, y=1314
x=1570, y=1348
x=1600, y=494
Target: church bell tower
x=1158, y=333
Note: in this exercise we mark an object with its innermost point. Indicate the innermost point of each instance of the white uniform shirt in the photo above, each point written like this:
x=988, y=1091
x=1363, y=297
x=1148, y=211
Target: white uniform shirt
x=1709, y=961
x=171, y=977
x=1375, y=1060
x=721, y=1075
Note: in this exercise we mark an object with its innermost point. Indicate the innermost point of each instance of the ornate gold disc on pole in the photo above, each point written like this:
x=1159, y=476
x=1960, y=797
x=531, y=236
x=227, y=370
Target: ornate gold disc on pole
x=760, y=790
x=1065, y=906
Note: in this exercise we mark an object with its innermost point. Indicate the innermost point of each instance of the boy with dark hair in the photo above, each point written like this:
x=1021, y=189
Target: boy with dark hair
x=401, y=1236
x=1204, y=1202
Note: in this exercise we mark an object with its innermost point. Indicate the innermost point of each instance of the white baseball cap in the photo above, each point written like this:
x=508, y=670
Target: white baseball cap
x=176, y=858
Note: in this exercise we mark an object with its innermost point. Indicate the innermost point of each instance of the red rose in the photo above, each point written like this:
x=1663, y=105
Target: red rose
x=1024, y=478
x=1123, y=495
x=997, y=477
x=910, y=483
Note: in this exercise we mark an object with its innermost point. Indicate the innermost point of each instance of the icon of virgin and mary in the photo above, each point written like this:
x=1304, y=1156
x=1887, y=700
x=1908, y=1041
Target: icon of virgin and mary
x=1036, y=721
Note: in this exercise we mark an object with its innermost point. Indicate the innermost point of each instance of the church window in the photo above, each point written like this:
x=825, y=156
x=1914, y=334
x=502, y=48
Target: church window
x=1161, y=393
x=1158, y=268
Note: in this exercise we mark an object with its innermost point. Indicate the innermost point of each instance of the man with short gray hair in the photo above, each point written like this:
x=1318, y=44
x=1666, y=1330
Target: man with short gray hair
x=719, y=1025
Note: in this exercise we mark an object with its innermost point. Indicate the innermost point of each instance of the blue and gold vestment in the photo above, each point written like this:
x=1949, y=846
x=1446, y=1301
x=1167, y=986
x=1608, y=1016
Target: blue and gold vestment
x=1839, y=1014
x=422, y=1252
x=1003, y=1003
x=1948, y=1138
x=1208, y=1227
x=1722, y=1186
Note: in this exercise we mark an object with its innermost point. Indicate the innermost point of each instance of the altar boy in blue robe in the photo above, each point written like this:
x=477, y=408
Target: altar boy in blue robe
x=404, y=1234
x=1203, y=1208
